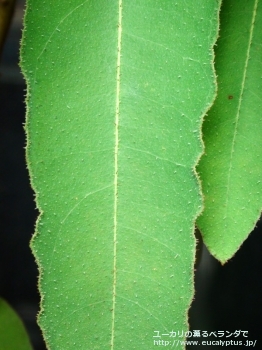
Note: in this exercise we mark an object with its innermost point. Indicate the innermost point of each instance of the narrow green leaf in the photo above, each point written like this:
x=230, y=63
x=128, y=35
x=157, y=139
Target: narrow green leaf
x=116, y=94
x=231, y=169
x=13, y=335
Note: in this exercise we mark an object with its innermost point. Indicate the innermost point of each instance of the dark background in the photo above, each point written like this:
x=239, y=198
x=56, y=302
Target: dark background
x=18, y=271
x=227, y=298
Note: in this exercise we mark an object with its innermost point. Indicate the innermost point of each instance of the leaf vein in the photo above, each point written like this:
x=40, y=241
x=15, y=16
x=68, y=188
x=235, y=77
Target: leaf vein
x=155, y=155
x=154, y=239
x=119, y=38
x=240, y=99
x=143, y=308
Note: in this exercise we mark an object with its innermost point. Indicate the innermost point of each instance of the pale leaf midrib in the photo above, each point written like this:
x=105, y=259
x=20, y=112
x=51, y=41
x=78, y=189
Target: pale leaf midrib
x=240, y=100
x=116, y=164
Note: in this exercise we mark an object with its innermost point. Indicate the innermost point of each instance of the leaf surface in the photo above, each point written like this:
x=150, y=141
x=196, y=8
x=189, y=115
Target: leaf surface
x=116, y=95
x=231, y=168
x=13, y=335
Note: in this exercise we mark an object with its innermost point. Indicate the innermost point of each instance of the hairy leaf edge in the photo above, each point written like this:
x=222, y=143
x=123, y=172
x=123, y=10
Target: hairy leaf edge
x=202, y=117
x=218, y=257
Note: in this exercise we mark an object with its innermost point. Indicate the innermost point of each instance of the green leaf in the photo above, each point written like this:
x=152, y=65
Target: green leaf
x=13, y=335
x=116, y=95
x=231, y=168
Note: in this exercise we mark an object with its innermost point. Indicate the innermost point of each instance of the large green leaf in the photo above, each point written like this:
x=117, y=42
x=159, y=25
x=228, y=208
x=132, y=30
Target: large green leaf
x=13, y=335
x=116, y=95
x=231, y=169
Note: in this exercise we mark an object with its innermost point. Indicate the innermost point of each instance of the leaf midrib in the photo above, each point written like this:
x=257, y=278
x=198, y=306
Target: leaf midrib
x=119, y=38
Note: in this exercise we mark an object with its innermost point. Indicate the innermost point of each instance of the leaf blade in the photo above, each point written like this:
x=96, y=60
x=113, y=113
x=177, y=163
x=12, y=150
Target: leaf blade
x=112, y=165
x=231, y=170
x=13, y=335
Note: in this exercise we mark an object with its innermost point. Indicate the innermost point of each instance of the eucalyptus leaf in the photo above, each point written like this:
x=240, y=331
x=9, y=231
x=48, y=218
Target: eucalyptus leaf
x=231, y=169
x=13, y=335
x=116, y=95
